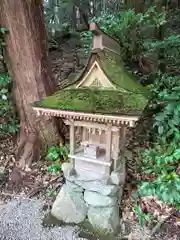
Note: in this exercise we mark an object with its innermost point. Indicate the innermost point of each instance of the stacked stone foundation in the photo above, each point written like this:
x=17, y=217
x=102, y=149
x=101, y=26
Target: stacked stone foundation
x=84, y=197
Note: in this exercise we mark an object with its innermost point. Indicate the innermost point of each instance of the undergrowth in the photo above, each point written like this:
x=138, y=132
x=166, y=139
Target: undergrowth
x=56, y=156
x=162, y=161
x=8, y=123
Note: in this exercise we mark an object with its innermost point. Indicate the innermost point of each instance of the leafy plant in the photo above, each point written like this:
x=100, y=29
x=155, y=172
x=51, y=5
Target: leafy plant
x=54, y=168
x=57, y=155
x=8, y=123
x=142, y=217
x=51, y=193
x=166, y=187
x=162, y=161
x=3, y=31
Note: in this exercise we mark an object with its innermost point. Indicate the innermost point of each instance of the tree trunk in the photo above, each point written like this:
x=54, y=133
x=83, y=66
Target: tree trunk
x=159, y=34
x=27, y=60
x=138, y=6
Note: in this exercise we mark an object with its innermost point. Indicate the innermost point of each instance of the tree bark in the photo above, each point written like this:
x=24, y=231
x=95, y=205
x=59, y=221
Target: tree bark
x=27, y=61
x=138, y=6
x=159, y=34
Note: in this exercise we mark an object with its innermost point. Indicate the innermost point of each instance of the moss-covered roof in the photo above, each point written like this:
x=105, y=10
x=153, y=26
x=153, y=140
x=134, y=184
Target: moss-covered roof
x=95, y=101
x=113, y=67
x=129, y=97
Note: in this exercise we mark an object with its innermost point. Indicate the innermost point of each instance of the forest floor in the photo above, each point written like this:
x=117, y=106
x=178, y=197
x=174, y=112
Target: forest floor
x=32, y=190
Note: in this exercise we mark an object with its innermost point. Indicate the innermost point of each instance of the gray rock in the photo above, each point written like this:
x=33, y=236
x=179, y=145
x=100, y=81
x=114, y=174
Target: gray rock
x=99, y=187
x=120, y=193
x=105, y=219
x=87, y=178
x=118, y=177
x=69, y=206
x=72, y=187
x=68, y=169
x=97, y=200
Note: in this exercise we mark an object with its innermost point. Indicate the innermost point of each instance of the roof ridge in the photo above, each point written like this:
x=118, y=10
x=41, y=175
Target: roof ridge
x=95, y=28
x=103, y=40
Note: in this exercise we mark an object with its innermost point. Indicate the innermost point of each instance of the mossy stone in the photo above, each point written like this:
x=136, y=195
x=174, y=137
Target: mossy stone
x=94, y=233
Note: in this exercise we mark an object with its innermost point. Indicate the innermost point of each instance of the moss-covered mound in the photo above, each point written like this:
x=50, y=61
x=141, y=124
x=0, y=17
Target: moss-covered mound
x=95, y=101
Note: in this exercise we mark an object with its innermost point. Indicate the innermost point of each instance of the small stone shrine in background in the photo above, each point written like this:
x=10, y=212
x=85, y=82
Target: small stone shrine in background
x=100, y=104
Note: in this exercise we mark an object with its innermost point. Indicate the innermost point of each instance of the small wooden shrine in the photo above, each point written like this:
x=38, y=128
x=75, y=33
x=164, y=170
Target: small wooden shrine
x=99, y=104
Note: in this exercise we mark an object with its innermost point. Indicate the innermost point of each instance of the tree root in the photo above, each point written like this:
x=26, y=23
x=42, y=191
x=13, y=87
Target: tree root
x=27, y=151
x=20, y=147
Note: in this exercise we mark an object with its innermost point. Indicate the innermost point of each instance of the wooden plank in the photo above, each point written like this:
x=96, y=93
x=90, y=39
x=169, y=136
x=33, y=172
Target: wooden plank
x=72, y=140
x=123, y=132
x=116, y=149
x=88, y=159
x=109, y=144
x=92, y=125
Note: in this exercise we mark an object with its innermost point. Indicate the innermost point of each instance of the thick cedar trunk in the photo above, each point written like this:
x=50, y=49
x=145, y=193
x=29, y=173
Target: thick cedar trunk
x=27, y=60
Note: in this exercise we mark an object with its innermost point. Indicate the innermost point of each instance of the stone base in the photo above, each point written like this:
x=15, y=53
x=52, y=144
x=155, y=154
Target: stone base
x=87, y=231
x=85, y=197
x=106, y=219
x=69, y=205
x=82, y=167
x=118, y=177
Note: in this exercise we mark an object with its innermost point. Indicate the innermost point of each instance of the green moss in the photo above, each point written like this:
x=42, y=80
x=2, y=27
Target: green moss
x=49, y=220
x=95, y=101
x=88, y=231
x=130, y=97
x=113, y=66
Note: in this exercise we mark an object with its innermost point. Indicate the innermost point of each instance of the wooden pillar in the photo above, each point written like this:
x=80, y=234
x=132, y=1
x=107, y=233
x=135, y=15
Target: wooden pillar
x=72, y=140
x=123, y=132
x=84, y=134
x=109, y=144
x=116, y=149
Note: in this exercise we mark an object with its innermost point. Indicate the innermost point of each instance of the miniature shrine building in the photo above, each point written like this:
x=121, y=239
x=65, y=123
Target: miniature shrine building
x=100, y=104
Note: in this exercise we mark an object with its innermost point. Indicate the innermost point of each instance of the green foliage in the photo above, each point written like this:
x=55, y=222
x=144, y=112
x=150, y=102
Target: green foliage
x=142, y=217
x=166, y=187
x=57, y=155
x=8, y=122
x=51, y=193
x=55, y=168
x=168, y=120
x=129, y=29
x=3, y=31
x=86, y=38
x=162, y=161
x=57, y=152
